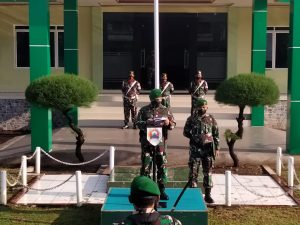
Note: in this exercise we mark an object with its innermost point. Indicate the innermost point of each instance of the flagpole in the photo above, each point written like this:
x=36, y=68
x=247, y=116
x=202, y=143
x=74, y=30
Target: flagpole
x=156, y=41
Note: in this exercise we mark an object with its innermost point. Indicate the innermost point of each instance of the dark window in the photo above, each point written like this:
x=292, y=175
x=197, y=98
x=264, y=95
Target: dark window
x=56, y=42
x=277, y=47
x=282, y=43
x=22, y=49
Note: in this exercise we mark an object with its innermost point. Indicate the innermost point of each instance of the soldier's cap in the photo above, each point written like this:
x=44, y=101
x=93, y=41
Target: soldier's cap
x=201, y=102
x=155, y=93
x=144, y=186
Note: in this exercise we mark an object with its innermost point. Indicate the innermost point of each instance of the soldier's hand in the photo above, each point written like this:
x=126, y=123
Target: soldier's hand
x=166, y=122
x=217, y=152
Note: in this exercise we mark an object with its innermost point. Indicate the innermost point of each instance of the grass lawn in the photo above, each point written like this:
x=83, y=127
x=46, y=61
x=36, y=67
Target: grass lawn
x=90, y=215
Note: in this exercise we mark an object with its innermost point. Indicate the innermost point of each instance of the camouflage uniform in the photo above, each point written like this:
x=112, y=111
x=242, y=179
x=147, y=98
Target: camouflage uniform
x=153, y=218
x=130, y=97
x=167, y=89
x=146, y=114
x=203, y=132
x=197, y=93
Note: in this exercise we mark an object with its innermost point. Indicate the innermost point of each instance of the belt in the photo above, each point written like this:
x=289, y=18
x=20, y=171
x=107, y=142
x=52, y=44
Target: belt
x=133, y=97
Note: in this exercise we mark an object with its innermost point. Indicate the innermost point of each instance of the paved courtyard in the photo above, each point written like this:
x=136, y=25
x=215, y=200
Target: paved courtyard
x=245, y=190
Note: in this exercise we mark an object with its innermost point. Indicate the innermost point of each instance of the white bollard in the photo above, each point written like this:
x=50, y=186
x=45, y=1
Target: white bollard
x=111, y=158
x=291, y=172
x=38, y=160
x=278, y=161
x=24, y=170
x=228, y=188
x=3, y=188
x=79, y=187
x=112, y=163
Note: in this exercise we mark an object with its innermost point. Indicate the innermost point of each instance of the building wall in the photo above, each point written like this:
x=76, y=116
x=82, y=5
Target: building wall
x=14, y=79
x=239, y=42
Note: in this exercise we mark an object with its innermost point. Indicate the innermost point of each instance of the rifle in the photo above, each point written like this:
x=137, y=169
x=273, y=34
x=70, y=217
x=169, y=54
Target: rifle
x=181, y=193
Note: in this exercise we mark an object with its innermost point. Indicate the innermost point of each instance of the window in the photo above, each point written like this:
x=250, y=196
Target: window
x=56, y=46
x=277, y=47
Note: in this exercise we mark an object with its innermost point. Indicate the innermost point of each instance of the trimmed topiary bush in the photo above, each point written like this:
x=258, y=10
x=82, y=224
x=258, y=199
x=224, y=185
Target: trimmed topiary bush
x=63, y=92
x=245, y=90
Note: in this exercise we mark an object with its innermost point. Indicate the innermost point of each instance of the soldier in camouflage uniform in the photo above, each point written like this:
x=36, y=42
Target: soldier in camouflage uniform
x=130, y=89
x=149, y=116
x=203, y=132
x=167, y=88
x=144, y=195
x=197, y=89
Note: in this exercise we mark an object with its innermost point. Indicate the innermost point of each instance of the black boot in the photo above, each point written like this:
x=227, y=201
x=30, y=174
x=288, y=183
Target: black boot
x=208, y=197
x=163, y=194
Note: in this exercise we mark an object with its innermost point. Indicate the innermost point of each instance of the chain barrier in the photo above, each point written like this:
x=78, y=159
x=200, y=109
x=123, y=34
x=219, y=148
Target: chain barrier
x=31, y=157
x=15, y=181
x=258, y=194
x=48, y=189
x=73, y=164
x=296, y=177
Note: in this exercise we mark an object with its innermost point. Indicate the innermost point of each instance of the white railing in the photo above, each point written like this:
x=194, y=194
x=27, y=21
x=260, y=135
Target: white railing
x=22, y=174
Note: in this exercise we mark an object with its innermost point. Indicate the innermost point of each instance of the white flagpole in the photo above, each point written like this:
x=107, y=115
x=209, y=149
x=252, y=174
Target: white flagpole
x=156, y=41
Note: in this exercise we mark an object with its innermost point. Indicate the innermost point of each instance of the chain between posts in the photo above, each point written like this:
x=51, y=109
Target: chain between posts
x=258, y=194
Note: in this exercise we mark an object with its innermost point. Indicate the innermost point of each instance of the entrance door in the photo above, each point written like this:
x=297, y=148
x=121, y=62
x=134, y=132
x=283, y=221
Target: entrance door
x=188, y=42
x=175, y=34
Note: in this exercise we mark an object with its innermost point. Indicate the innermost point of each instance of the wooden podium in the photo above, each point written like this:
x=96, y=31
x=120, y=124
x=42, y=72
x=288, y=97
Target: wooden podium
x=191, y=209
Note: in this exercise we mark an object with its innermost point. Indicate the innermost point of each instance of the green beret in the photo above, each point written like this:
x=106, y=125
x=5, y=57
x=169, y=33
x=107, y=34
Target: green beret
x=155, y=93
x=144, y=186
x=201, y=102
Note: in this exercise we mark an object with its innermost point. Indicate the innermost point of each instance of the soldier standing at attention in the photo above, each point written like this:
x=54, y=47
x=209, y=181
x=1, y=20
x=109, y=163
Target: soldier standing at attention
x=203, y=132
x=155, y=115
x=130, y=89
x=197, y=89
x=144, y=195
x=167, y=88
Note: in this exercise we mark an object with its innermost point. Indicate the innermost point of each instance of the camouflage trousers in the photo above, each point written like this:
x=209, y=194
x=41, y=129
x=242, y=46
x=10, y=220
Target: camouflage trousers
x=130, y=107
x=166, y=101
x=194, y=165
x=147, y=157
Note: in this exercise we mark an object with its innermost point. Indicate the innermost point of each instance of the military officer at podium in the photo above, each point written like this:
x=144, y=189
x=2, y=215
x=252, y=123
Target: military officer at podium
x=155, y=115
x=144, y=195
x=202, y=130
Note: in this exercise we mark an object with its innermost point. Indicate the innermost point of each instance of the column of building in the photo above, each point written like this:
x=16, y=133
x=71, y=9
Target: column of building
x=293, y=123
x=39, y=44
x=258, y=57
x=71, y=42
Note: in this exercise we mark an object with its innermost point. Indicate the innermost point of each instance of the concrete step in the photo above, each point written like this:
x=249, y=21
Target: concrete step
x=107, y=111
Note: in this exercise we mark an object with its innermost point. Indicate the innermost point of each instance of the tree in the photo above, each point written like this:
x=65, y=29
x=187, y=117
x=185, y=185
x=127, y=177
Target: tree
x=245, y=90
x=63, y=92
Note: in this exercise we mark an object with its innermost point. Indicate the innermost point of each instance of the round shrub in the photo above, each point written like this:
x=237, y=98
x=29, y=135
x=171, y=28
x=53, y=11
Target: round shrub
x=61, y=92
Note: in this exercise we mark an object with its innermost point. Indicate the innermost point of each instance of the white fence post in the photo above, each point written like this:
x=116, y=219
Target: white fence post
x=228, y=188
x=38, y=160
x=24, y=170
x=112, y=163
x=291, y=172
x=3, y=196
x=278, y=161
x=79, y=187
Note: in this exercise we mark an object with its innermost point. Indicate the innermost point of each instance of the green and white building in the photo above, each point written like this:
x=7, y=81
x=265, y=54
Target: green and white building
x=104, y=39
